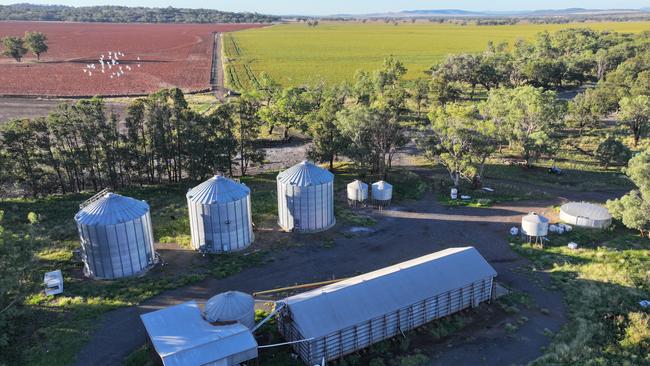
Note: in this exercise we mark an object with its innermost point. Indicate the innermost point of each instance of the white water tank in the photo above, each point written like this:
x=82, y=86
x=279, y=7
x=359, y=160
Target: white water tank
x=305, y=198
x=585, y=214
x=357, y=191
x=116, y=236
x=534, y=225
x=231, y=306
x=382, y=191
x=220, y=215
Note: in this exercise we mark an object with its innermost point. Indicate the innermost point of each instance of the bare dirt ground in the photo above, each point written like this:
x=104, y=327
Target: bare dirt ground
x=14, y=108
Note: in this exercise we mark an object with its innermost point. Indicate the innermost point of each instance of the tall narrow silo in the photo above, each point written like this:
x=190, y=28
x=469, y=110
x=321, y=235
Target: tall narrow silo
x=220, y=215
x=306, y=198
x=116, y=236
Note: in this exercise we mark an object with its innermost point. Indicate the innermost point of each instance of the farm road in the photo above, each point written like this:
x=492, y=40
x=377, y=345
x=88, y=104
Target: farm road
x=12, y=108
x=402, y=232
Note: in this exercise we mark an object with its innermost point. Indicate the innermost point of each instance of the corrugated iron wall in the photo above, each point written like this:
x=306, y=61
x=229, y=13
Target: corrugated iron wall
x=221, y=227
x=306, y=209
x=357, y=337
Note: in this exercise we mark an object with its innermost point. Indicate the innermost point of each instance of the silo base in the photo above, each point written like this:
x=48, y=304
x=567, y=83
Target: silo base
x=308, y=231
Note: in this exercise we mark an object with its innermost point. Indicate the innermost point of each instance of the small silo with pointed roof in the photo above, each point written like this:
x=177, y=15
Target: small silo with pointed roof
x=306, y=198
x=116, y=236
x=220, y=215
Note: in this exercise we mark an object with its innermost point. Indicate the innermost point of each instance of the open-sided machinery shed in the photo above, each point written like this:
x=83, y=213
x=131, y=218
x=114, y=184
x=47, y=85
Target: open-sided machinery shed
x=353, y=314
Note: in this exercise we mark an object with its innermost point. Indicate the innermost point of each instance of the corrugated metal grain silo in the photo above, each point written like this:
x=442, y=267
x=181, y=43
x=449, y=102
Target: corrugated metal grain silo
x=220, y=215
x=306, y=198
x=116, y=236
x=231, y=306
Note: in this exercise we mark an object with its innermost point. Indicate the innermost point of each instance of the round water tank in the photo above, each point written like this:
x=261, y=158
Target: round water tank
x=305, y=198
x=585, y=214
x=382, y=191
x=231, y=306
x=220, y=215
x=357, y=191
x=116, y=236
x=534, y=225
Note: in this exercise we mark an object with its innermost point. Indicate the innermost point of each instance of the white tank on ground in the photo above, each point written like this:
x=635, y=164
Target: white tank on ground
x=305, y=198
x=220, y=215
x=357, y=192
x=231, y=306
x=116, y=236
x=585, y=214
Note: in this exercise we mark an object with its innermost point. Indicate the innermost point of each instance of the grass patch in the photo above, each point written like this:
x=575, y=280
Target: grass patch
x=603, y=281
x=482, y=198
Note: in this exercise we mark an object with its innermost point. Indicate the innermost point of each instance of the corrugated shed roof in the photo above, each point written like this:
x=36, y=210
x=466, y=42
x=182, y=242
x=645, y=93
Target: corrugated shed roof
x=111, y=209
x=305, y=174
x=218, y=189
x=534, y=218
x=586, y=209
x=182, y=337
x=325, y=310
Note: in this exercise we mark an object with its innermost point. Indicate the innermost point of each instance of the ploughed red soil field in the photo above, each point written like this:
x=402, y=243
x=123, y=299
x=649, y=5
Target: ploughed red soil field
x=169, y=55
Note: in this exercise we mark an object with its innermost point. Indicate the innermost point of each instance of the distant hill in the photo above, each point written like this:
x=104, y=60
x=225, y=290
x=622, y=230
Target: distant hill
x=521, y=13
x=123, y=14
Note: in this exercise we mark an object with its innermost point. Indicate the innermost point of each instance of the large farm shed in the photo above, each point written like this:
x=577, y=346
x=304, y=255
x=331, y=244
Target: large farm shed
x=347, y=316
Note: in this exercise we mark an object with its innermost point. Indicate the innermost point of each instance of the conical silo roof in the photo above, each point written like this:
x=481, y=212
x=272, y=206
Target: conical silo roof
x=111, y=209
x=534, y=218
x=357, y=184
x=382, y=185
x=305, y=174
x=231, y=306
x=218, y=189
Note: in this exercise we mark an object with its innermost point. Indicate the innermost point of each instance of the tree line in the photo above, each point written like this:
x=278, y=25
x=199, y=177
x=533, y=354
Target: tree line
x=83, y=146
x=17, y=48
x=123, y=14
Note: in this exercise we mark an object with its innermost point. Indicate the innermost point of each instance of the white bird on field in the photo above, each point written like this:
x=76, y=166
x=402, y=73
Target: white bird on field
x=90, y=73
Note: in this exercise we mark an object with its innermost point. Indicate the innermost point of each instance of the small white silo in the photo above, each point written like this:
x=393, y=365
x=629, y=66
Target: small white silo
x=116, y=236
x=357, y=193
x=231, y=306
x=382, y=193
x=220, y=215
x=305, y=198
x=534, y=226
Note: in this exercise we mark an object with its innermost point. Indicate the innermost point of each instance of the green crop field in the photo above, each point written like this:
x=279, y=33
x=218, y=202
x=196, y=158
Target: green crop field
x=295, y=53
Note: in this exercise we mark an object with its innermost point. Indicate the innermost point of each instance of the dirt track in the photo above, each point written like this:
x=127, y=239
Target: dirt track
x=11, y=108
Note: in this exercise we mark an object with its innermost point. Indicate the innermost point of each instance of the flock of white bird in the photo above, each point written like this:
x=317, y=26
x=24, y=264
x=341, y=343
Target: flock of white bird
x=109, y=65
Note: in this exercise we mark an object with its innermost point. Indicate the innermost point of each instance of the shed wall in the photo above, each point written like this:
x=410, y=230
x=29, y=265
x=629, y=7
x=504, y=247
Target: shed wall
x=116, y=251
x=352, y=339
x=221, y=227
x=306, y=208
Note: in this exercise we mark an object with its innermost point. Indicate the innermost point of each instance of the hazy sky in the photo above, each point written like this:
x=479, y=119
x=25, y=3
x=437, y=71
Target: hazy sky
x=324, y=7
